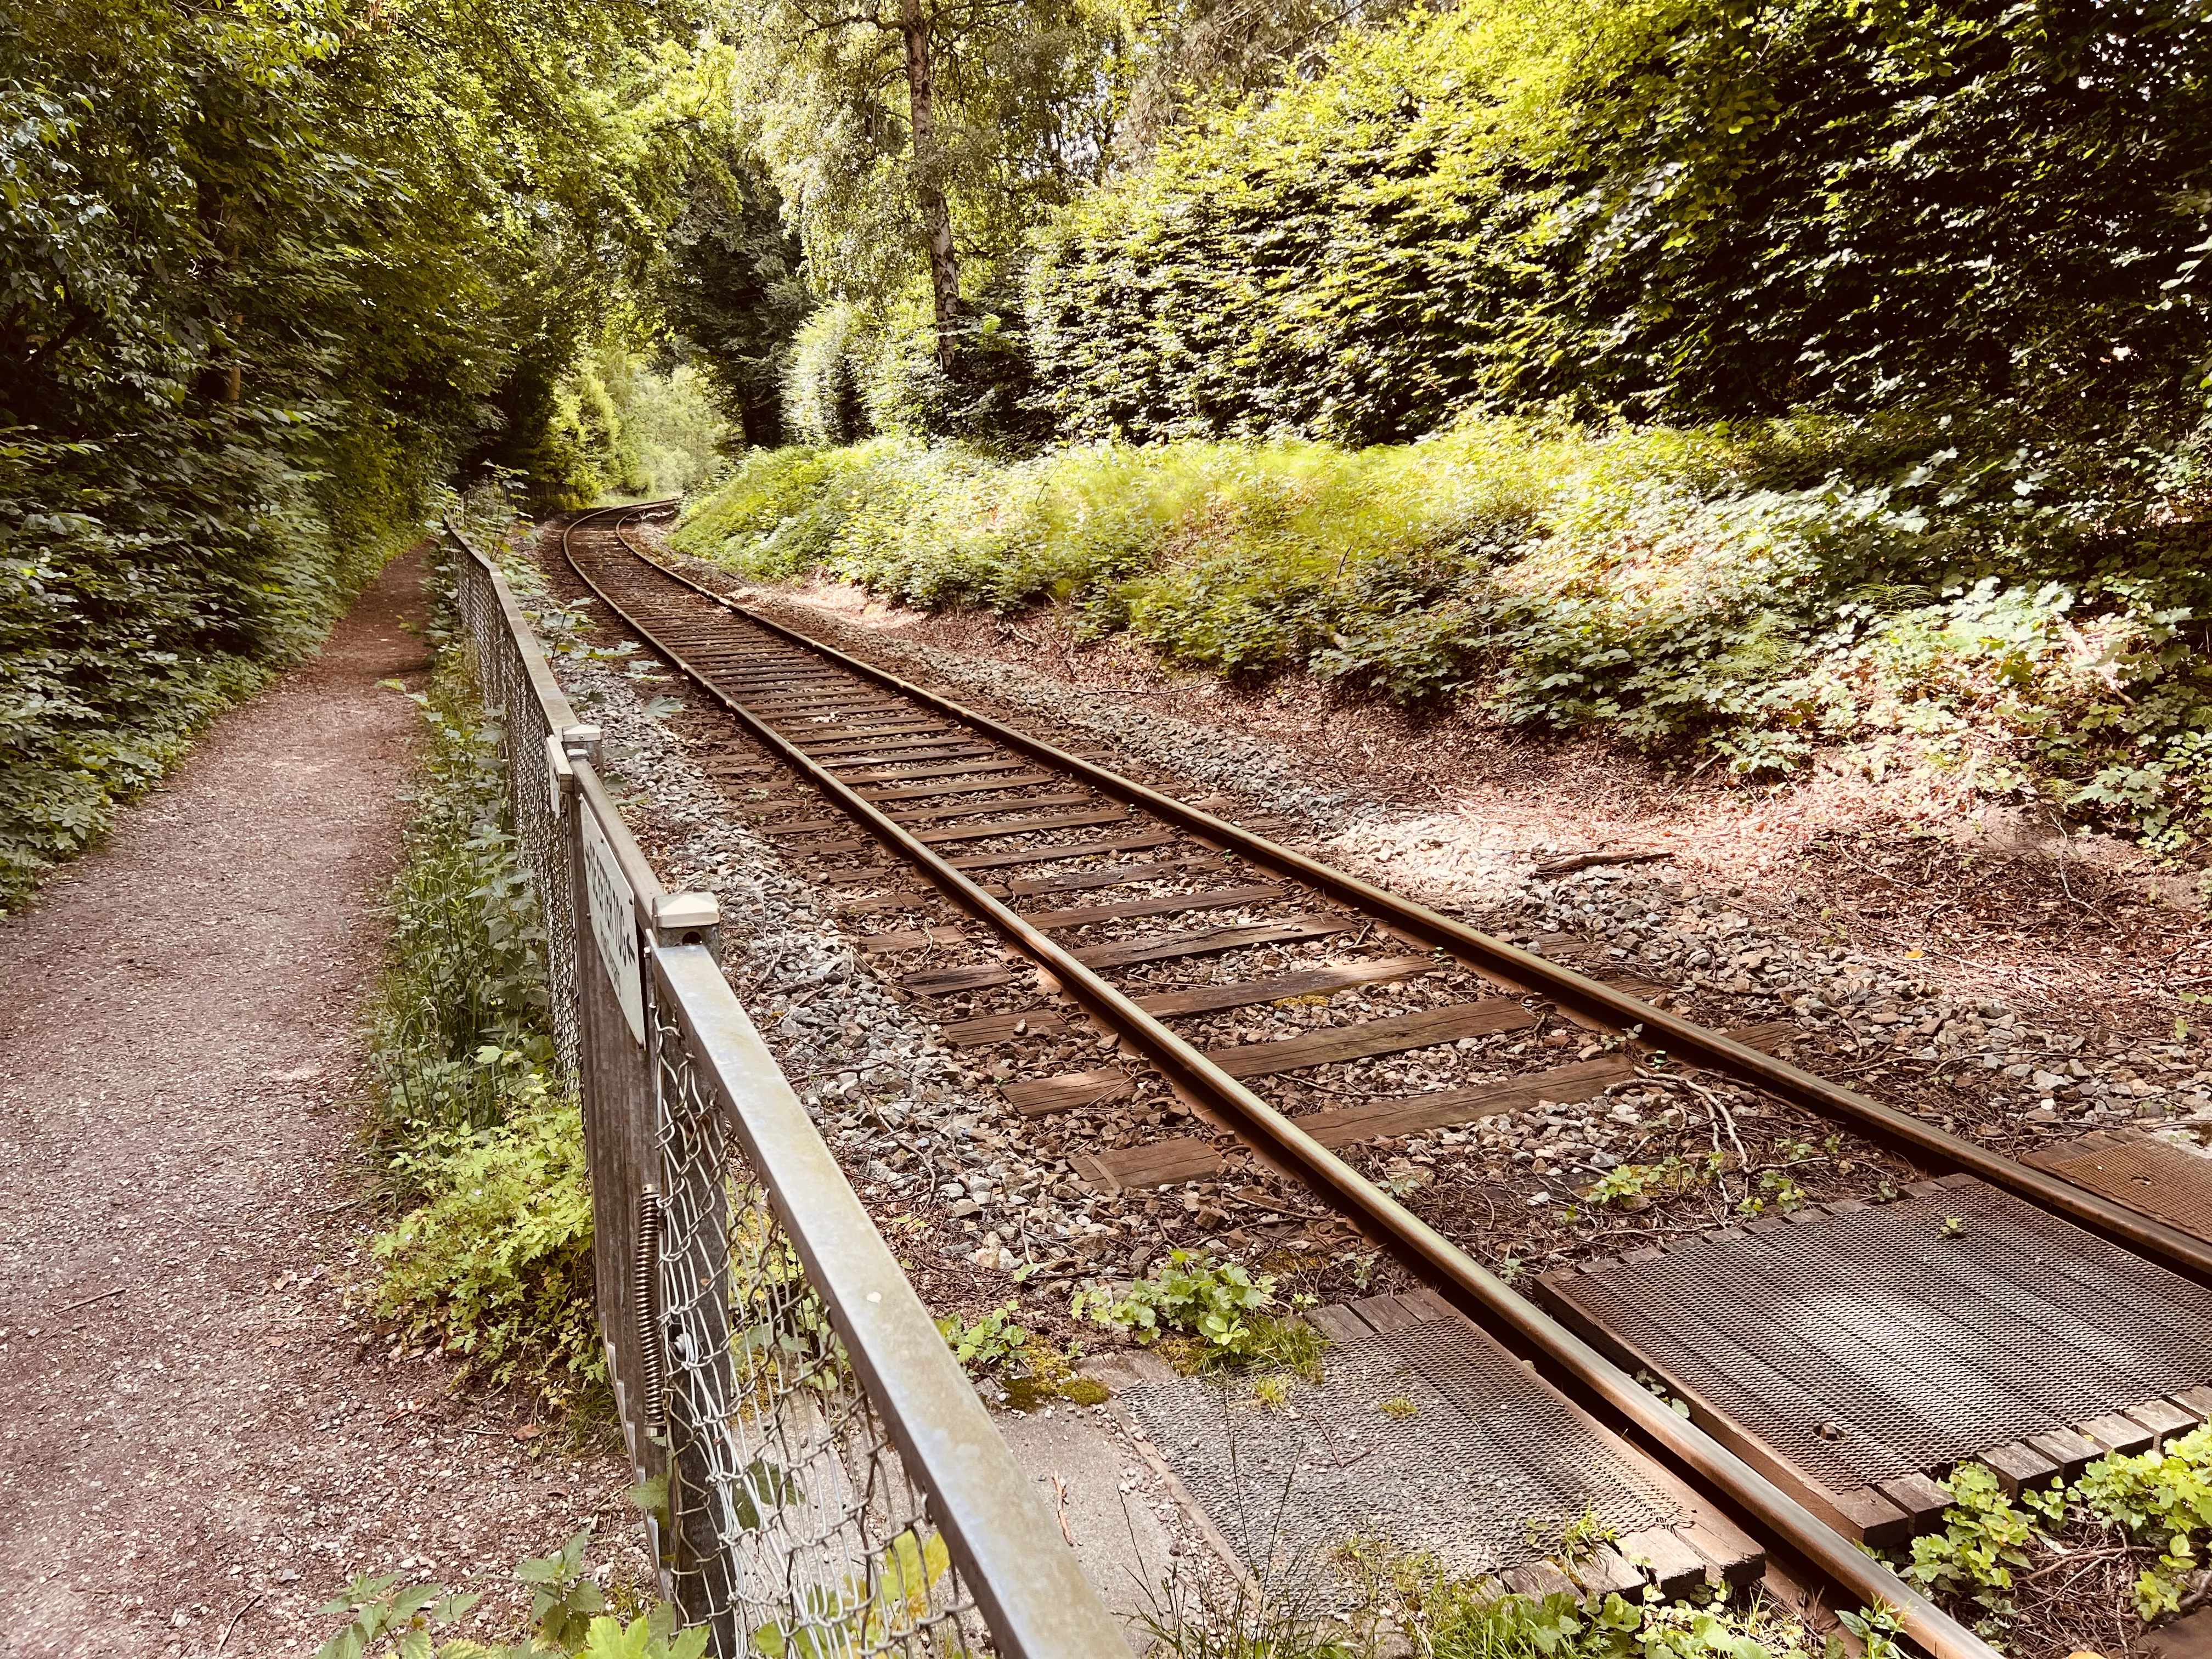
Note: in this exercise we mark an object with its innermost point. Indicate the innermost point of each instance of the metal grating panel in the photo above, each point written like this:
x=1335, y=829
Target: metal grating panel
x=1483, y=1474
x=1912, y=1345
x=2150, y=1176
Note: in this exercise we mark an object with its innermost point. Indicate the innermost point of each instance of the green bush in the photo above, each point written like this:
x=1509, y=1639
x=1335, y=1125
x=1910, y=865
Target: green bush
x=495, y=1263
x=492, y=1260
x=1741, y=594
x=1680, y=208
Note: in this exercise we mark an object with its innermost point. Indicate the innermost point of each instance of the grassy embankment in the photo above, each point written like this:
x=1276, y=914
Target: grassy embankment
x=1758, y=598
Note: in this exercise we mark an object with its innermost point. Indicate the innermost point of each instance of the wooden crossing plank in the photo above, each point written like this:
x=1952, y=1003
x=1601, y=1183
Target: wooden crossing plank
x=1000, y=1028
x=1209, y=940
x=1071, y=849
x=1664, y=1559
x=1113, y=876
x=1167, y=904
x=1034, y=1096
x=976, y=808
x=1922, y=1499
x=1023, y=826
x=1386, y=1314
x=1417, y=1113
x=1392, y=1035
x=1308, y=981
x=972, y=786
x=1338, y=1324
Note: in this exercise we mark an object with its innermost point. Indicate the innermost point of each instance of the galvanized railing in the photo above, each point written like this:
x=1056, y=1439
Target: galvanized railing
x=834, y=1486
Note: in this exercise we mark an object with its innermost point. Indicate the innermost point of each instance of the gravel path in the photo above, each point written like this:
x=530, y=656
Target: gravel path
x=197, y=1443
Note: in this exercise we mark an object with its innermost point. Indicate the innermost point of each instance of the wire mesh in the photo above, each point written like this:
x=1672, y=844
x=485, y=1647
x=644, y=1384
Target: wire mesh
x=796, y=1526
x=542, y=829
x=792, y=1524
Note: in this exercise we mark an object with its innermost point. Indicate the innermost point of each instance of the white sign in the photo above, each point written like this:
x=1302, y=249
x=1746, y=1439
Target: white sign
x=614, y=923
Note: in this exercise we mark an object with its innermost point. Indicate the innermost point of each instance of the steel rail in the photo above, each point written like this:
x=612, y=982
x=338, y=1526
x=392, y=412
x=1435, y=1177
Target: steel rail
x=1662, y=1029
x=1470, y=1286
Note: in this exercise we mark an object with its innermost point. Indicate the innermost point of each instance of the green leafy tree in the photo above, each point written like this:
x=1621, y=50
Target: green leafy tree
x=916, y=139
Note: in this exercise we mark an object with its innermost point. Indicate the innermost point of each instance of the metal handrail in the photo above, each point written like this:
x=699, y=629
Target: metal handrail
x=1031, y=1591
x=1027, y=1585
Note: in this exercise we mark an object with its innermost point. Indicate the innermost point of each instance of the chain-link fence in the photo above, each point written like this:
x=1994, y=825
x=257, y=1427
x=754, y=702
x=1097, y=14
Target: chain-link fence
x=833, y=1487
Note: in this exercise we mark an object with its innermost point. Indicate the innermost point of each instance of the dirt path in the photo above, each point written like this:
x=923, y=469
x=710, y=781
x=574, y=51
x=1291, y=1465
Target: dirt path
x=197, y=1445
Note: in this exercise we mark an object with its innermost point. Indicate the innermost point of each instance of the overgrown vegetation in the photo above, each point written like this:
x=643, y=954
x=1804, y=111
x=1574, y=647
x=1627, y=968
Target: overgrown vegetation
x=274, y=274
x=1404, y=1604
x=2050, y=1569
x=492, y=1259
x=569, y=1617
x=1746, y=596
x=1206, y=1315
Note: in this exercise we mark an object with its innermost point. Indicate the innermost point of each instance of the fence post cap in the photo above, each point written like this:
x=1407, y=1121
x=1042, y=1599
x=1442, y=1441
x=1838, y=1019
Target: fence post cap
x=675, y=916
x=581, y=743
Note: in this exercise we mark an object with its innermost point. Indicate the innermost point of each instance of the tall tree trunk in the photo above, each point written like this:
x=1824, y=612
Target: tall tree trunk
x=929, y=179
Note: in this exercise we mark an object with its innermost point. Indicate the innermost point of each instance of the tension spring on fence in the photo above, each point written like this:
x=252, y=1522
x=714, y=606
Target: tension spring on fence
x=645, y=1287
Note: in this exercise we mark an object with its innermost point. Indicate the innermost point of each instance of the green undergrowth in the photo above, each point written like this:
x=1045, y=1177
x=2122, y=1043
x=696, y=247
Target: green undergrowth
x=2018, y=617
x=491, y=1258
x=1205, y=1315
x=2127, y=1538
x=1365, y=1601
x=569, y=1617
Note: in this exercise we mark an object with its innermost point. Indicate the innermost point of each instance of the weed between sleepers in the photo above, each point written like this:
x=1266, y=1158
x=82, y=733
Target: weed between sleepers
x=2084, y=1566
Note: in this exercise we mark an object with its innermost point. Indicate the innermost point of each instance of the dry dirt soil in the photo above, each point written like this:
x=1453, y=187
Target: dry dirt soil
x=199, y=1442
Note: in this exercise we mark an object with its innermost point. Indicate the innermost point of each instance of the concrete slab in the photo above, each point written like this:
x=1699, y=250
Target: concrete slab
x=1128, y=1531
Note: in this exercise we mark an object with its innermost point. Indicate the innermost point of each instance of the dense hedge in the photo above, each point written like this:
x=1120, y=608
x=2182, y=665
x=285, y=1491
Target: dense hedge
x=1685, y=207
x=265, y=275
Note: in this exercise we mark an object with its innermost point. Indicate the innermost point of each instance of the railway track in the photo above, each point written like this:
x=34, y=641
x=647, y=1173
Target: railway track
x=1243, y=1010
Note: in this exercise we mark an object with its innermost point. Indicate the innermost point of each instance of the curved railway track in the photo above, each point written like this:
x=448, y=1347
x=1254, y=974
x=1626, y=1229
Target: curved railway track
x=1216, y=966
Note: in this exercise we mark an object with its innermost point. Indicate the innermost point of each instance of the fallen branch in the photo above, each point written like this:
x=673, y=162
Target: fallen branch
x=1573, y=861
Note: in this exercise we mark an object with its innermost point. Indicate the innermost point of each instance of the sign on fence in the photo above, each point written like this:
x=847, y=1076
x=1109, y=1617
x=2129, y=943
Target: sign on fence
x=614, y=921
